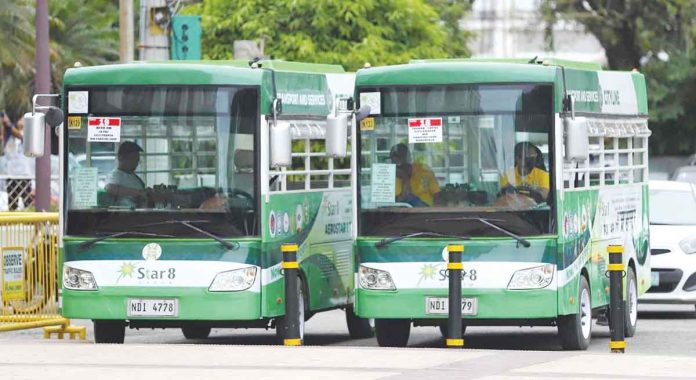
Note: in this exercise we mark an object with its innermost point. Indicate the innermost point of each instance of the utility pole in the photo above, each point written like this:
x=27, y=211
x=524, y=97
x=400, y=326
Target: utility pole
x=154, y=30
x=42, y=85
x=125, y=30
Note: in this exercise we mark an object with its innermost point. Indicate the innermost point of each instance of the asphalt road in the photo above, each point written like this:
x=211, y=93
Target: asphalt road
x=662, y=330
x=662, y=349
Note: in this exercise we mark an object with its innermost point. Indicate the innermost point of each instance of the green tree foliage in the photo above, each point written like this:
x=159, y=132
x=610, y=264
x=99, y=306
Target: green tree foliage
x=79, y=31
x=334, y=31
x=657, y=37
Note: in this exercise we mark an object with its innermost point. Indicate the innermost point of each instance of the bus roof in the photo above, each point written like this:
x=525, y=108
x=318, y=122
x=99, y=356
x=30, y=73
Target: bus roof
x=305, y=88
x=545, y=61
x=197, y=72
x=146, y=73
x=594, y=90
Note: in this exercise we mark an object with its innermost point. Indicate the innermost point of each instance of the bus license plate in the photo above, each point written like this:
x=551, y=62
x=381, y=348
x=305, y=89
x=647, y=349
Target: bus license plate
x=440, y=305
x=146, y=307
x=655, y=278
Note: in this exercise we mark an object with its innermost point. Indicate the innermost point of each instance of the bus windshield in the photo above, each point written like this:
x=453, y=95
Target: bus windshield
x=437, y=158
x=143, y=158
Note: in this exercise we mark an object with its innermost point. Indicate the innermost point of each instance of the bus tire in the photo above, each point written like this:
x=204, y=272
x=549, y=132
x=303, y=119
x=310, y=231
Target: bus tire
x=106, y=331
x=392, y=332
x=443, y=329
x=281, y=321
x=575, y=330
x=358, y=328
x=631, y=308
x=196, y=332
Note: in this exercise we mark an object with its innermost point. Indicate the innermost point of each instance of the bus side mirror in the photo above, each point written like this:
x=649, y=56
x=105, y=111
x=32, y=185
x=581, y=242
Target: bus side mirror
x=281, y=145
x=54, y=116
x=34, y=133
x=577, y=141
x=336, y=135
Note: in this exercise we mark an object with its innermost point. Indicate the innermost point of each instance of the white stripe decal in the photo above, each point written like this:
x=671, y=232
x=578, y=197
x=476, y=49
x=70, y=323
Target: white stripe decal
x=432, y=275
x=158, y=273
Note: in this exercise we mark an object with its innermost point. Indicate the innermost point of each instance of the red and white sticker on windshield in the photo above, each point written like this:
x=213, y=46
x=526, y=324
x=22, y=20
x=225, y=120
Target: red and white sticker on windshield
x=104, y=129
x=425, y=130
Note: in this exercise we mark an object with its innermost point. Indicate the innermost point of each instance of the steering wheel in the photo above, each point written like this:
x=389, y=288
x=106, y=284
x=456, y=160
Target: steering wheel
x=523, y=190
x=237, y=193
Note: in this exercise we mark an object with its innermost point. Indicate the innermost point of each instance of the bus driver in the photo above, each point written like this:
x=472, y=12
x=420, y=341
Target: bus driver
x=529, y=176
x=415, y=182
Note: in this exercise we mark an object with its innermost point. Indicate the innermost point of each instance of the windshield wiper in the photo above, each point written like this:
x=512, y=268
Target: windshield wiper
x=386, y=241
x=233, y=246
x=525, y=243
x=88, y=243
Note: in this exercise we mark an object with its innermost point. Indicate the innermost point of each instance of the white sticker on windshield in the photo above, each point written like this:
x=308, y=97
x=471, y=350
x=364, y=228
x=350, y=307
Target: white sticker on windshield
x=85, y=188
x=104, y=129
x=425, y=130
x=373, y=100
x=78, y=101
x=383, y=183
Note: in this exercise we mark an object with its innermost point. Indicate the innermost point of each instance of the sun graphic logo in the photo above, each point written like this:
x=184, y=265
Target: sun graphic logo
x=126, y=270
x=427, y=272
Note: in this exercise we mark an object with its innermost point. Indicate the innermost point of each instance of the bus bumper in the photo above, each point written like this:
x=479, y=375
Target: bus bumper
x=193, y=303
x=491, y=303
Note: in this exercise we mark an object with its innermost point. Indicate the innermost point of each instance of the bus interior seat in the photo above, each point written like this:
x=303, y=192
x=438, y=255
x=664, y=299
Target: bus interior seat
x=244, y=170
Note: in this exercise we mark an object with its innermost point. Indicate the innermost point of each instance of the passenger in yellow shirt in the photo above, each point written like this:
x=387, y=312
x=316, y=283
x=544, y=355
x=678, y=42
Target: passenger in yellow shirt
x=529, y=177
x=415, y=183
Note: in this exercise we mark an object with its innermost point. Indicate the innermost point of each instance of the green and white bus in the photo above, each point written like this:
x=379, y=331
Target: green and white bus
x=182, y=180
x=534, y=167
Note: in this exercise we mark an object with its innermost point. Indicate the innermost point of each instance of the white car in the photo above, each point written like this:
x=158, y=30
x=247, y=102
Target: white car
x=672, y=243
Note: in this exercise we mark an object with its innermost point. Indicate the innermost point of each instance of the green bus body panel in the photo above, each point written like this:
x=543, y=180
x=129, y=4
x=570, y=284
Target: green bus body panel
x=194, y=303
x=320, y=224
x=542, y=250
x=172, y=249
x=492, y=303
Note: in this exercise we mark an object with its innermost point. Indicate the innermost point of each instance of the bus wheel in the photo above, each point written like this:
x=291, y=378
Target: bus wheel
x=196, y=332
x=392, y=332
x=281, y=322
x=359, y=328
x=443, y=329
x=109, y=331
x=631, y=309
x=576, y=330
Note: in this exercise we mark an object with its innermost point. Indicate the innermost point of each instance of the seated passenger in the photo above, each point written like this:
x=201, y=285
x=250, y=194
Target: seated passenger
x=415, y=183
x=529, y=176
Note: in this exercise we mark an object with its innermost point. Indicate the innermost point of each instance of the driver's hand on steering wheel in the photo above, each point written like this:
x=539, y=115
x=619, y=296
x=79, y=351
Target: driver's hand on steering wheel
x=216, y=202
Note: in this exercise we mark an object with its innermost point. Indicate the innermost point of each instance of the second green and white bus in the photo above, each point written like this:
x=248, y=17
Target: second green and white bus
x=535, y=241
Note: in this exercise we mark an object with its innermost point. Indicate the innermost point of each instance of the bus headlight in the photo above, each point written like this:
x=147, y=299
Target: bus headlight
x=233, y=280
x=376, y=279
x=532, y=278
x=78, y=279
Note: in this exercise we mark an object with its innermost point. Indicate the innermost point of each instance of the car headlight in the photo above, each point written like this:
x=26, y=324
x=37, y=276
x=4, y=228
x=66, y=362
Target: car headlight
x=532, y=278
x=233, y=280
x=78, y=279
x=688, y=244
x=371, y=278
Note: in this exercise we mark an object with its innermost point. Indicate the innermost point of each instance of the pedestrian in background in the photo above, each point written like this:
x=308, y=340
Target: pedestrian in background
x=17, y=166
